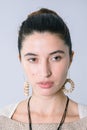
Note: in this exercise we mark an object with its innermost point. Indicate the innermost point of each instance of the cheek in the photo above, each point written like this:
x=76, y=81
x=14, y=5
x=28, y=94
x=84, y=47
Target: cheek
x=29, y=70
x=60, y=75
x=61, y=70
x=65, y=70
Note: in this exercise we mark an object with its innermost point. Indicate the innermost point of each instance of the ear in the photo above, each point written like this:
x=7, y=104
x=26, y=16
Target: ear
x=71, y=58
x=19, y=57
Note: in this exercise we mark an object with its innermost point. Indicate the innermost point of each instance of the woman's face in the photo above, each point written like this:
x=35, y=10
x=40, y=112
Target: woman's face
x=45, y=59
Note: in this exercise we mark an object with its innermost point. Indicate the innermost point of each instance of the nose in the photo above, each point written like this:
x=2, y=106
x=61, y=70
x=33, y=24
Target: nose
x=45, y=69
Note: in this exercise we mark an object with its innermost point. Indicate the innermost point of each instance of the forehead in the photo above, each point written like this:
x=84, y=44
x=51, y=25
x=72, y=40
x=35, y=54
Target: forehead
x=45, y=41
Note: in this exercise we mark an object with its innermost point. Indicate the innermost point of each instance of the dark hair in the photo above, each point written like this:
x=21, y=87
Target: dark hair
x=44, y=20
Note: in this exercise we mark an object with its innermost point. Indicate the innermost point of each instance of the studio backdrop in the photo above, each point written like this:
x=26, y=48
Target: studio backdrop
x=12, y=13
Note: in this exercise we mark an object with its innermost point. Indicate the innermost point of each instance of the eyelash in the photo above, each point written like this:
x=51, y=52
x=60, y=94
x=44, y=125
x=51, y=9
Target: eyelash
x=55, y=58
x=32, y=60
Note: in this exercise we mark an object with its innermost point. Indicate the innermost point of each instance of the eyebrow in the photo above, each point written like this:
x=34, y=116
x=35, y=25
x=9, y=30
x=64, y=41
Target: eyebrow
x=31, y=54
x=58, y=51
x=54, y=52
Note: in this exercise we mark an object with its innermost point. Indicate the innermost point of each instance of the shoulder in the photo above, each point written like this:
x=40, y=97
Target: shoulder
x=82, y=110
x=8, y=110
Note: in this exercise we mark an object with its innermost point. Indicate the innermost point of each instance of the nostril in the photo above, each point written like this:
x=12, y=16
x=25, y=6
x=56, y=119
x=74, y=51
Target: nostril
x=49, y=74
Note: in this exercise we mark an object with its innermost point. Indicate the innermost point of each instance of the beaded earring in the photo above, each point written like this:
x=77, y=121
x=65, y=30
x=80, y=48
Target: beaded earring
x=70, y=89
x=26, y=88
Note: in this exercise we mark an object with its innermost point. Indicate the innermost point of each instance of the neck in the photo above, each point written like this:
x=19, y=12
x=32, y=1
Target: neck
x=47, y=105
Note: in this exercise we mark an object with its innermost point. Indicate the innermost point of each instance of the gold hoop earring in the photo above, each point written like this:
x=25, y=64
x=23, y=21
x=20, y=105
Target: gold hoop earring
x=66, y=90
x=26, y=88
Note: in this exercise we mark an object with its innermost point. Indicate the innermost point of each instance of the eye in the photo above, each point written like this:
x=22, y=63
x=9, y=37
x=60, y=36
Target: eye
x=56, y=58
x=32, y=60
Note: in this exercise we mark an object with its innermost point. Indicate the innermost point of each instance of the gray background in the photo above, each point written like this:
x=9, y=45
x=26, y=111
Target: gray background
x=12, y=13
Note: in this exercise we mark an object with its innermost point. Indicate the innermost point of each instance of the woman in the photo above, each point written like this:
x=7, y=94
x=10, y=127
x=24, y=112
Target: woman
x=45, y=52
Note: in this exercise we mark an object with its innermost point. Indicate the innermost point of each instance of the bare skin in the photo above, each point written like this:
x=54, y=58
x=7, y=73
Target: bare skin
x=38, y=116
x=45, y=59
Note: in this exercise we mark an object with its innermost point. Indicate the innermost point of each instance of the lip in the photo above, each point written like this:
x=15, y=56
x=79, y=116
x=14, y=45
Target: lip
x=45, y=85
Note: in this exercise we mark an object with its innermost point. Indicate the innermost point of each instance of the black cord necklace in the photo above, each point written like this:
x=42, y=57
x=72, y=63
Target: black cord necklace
x=61, y=122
